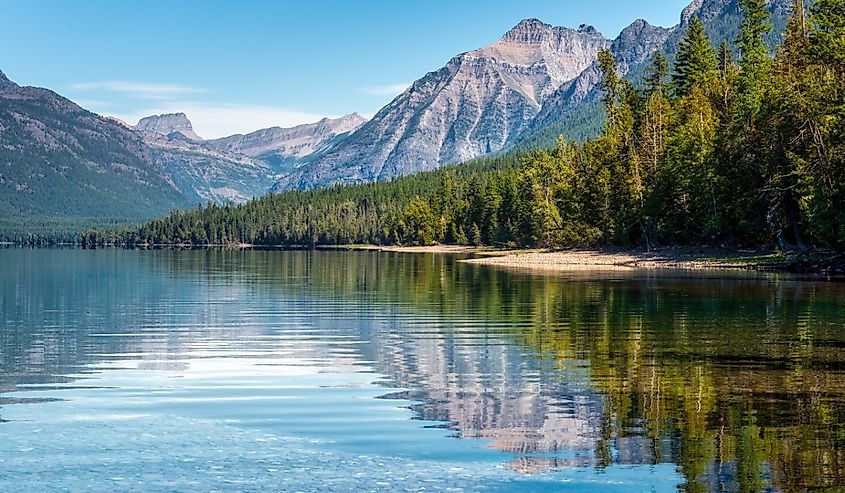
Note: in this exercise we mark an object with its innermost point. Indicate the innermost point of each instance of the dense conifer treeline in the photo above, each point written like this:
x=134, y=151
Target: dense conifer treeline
x=719, y=149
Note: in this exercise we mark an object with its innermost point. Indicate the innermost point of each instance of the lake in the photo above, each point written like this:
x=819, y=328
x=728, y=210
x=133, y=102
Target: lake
x=349, y=371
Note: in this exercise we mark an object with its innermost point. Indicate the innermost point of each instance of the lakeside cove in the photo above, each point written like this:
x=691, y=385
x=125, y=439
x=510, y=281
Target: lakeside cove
x=601, y=259
x=687, y=258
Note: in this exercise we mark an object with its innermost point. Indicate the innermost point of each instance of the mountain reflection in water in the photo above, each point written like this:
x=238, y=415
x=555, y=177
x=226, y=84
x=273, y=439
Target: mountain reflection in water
x=739, y=380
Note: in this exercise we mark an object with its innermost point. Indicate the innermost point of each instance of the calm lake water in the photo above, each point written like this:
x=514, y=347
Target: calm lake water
x=350, y=371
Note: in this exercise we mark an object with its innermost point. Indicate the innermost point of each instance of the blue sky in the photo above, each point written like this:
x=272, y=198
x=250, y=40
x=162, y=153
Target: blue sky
x=239, y=66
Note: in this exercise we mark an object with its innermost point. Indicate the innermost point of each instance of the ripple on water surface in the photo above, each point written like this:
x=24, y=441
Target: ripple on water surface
x=340, y=371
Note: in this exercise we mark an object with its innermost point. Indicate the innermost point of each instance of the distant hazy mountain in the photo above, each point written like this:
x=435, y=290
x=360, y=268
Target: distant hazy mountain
x=534, y=84
x=284, y=149
x=57, y=159
x=168, y=124
x=239, y=167
x=203, y=173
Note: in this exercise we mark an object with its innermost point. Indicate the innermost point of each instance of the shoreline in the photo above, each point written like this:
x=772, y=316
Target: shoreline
x=622, y=259
x=632, y=259
x=583, y=259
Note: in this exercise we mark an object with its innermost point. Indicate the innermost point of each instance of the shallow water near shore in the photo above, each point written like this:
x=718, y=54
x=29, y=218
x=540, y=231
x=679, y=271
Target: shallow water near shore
x=348, y=371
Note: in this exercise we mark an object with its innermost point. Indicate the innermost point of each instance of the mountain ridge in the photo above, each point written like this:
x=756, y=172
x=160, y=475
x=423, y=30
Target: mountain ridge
x=414, y=133
x=284, y=148
x=58, y=159
x=480, y=102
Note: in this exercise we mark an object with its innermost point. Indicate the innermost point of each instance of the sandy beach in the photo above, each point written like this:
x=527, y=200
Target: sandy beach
x=670, y=258
x=684, y=258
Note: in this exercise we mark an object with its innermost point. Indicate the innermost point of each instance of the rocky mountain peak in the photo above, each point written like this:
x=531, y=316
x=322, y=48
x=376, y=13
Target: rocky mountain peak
x=724, y=16
x=353, y=117
x=690, y=11
x=5, y=83
x=529, y=31
x=640, y=34
x=637, y=26
x=167, y=124
x=283, y=148
x=588, y=29
x=479, y=103
x=713, y=10
x=637, y=43
x=538, y=57
x=536, y=32
x=345, y=123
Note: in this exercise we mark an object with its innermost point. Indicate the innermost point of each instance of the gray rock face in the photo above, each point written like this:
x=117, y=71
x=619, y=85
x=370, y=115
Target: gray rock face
x=168, y=124
x=204, y=173
x=719, y=11
x=479, y=103
x=278, y=146
x=691, y=11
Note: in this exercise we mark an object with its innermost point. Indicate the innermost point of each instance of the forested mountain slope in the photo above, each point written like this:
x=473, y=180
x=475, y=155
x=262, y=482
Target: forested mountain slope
x=57, y=159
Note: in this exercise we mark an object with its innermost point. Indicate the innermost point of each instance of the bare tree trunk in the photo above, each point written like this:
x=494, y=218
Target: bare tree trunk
x=649, y=232
x=773, y=218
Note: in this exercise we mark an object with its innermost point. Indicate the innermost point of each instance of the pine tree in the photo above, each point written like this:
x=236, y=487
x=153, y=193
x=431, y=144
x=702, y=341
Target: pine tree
x=792, y=54
x=755, y=62
x=657, y=75
x=727, y=62
x=692, y=179
x=724, y=87
x=475, y=234
x=827, y=51
x=541, y=179
x=611, y=85
x=828, y=31
x=695, y=64
x=420, y=222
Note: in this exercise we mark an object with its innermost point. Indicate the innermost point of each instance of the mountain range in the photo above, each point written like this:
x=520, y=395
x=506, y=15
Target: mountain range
x=239, y=167
x=485, y=101
x=535, y=83
x=58, y=160
x=284, y=149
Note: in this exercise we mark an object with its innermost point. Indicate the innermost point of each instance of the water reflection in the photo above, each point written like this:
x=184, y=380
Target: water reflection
x=739, y=380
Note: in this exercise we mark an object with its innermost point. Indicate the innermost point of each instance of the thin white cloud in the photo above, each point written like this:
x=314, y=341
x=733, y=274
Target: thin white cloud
x=92, y=104
x=386, y=90
x=212, y=120
x=140, y=90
